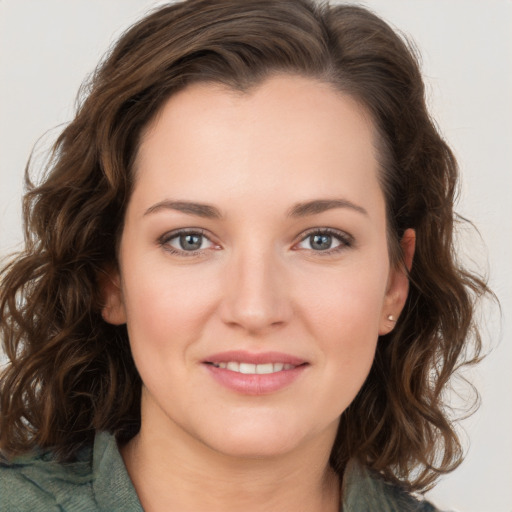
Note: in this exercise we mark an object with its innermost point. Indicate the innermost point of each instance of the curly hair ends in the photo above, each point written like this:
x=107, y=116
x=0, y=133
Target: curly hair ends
x=71, y=373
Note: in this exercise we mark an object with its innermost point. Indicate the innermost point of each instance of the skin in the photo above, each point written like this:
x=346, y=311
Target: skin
x=258, y=283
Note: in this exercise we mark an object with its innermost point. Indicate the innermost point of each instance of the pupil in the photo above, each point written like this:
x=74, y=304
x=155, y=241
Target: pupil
x=321, y=242
x=190, y=242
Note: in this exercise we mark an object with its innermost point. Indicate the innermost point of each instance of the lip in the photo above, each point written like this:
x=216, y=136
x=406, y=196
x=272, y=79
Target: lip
x=254, y=357
x=255, y=384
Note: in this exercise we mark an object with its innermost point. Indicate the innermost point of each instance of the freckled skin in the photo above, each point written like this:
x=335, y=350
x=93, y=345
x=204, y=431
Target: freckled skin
x=257, y=284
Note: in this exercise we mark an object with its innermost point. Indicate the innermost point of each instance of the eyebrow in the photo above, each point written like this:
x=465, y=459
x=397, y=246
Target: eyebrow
x=322, y=205
x=201, y=210
x=211, y=212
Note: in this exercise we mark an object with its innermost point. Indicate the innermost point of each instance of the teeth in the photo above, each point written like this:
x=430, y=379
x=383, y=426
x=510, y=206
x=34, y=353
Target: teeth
x=251, y=369
x=247, y=368
x=264, y=368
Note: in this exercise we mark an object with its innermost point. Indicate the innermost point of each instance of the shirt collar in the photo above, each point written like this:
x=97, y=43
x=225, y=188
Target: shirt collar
x=112, y=487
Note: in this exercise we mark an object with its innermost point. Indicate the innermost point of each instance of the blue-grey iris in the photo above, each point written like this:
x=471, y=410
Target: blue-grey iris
x=191, y=242
x=321, y=242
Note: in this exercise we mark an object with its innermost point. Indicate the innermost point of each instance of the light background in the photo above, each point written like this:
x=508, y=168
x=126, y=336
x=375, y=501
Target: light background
x=47, y=47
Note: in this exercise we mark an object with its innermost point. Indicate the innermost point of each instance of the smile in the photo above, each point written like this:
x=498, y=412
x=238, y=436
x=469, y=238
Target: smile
x=250, y=373
x=254, y=369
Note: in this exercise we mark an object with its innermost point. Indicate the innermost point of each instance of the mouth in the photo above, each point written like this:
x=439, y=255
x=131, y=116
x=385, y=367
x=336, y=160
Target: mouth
x=250, y=373
x=253, y=369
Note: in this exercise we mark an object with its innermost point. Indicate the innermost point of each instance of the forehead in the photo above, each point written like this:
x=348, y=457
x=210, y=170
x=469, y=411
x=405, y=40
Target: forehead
x=290, y=132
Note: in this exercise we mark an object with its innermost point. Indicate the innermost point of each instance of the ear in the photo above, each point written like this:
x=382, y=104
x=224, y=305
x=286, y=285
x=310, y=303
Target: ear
x=398, y=284
x=113, y=309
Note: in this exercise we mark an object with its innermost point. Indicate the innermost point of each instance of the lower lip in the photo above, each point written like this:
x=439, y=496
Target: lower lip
x=255, y=384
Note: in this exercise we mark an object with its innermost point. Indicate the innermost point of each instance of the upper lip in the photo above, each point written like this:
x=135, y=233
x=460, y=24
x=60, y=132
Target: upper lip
x=243, y=356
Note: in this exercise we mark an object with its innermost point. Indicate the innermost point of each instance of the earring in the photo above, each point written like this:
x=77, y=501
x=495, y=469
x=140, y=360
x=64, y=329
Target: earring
x=391, y=318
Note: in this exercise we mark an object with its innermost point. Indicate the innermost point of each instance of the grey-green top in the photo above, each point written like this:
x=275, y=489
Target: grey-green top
x=98, y=481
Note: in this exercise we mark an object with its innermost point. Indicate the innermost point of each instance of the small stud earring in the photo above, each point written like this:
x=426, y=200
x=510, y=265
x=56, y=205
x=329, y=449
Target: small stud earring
x=391, y=318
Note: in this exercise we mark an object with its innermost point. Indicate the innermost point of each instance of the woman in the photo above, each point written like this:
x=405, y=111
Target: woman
x=239, y=289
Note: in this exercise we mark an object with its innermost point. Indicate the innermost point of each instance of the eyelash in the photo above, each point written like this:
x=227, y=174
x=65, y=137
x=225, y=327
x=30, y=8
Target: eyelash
x=346, y=241
x=164, y=240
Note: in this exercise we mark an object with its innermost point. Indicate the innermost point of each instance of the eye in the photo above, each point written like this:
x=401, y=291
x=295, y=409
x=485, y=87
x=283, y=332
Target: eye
x=186, y=241
x=325, y=240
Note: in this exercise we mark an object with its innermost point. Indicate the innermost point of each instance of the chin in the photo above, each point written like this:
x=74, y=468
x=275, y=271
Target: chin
x=257, y=440
x=253, y=448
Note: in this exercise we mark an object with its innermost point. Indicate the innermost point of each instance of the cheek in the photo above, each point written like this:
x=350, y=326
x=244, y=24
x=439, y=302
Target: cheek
x=164, y=307
x=345, y=302
x=343, y=315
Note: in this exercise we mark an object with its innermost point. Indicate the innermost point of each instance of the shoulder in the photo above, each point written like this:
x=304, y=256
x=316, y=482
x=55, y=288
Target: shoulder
x=38, y=482
x=365, y=490
x=96, y=481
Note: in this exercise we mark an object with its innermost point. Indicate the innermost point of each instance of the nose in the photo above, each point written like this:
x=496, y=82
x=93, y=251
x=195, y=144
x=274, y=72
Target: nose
x=256, y=294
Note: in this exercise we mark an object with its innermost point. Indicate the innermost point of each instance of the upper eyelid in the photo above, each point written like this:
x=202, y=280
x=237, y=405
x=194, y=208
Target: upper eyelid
x=166, y=238
x=169, y=235
x=343, y=235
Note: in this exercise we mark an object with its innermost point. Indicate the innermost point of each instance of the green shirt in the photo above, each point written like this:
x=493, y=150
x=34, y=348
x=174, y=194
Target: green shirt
x=98, y=481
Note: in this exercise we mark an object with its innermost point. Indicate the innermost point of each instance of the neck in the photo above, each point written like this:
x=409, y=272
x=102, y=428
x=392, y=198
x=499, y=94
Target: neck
x=173, y=472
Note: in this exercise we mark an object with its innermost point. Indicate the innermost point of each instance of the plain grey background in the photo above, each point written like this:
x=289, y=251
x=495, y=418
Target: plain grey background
x=47, y=47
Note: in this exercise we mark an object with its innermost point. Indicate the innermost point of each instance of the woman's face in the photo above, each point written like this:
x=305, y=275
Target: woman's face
x=254, y=271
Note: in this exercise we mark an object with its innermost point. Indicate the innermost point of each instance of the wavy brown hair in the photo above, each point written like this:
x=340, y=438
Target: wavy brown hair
x=71, y=373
